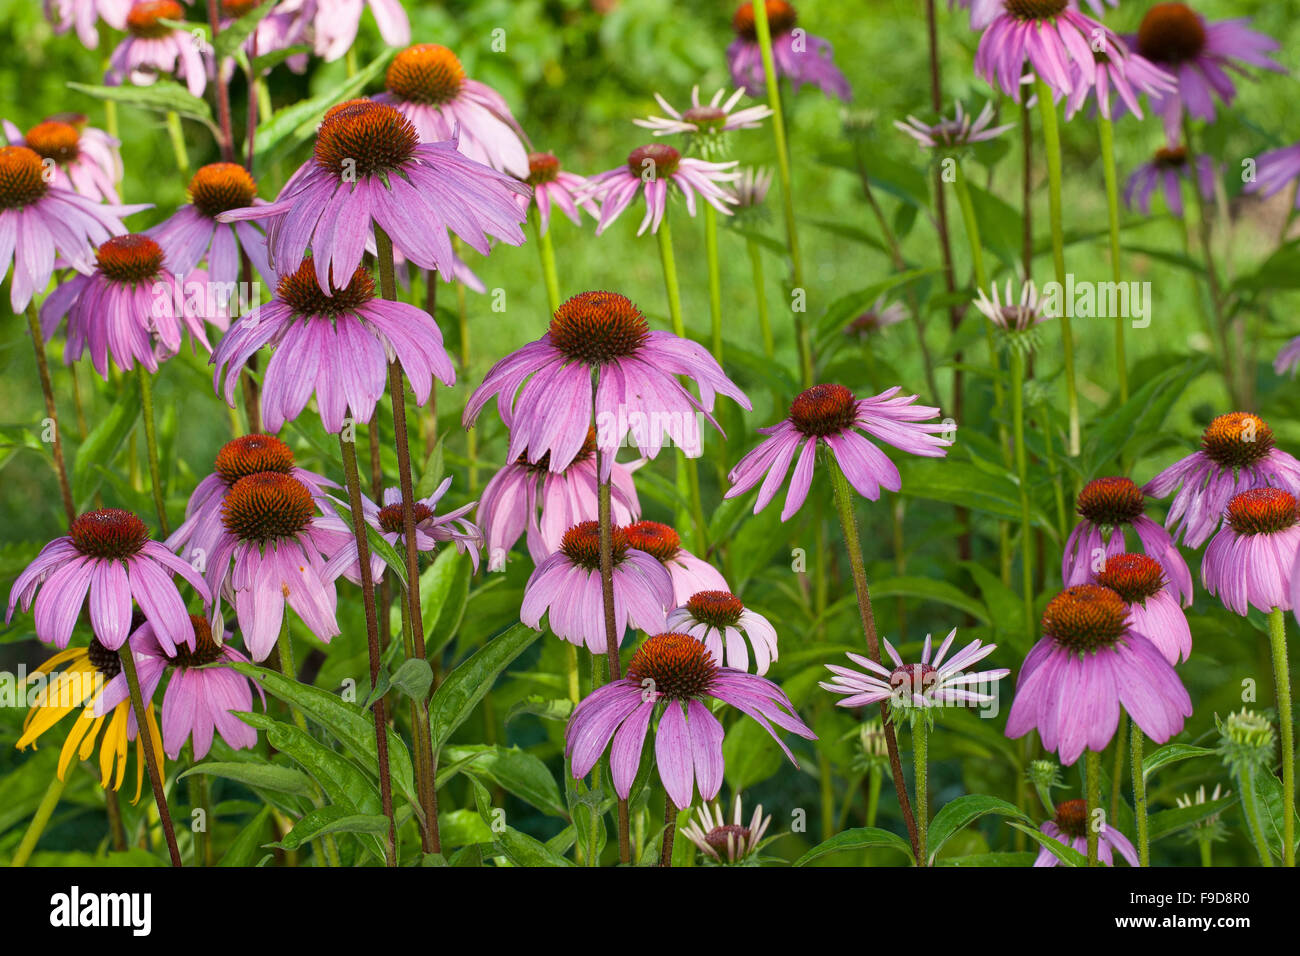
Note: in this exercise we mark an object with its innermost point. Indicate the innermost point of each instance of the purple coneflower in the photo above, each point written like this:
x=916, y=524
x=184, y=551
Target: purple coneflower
x=511, y=501
x=153, y=48
x=109, y=554
x=1070, y=828
x=798, y=56
x=271, y=554
x=568, y=586
x=879, y=317
x=1251, y=562
x=831, y=414
x=545, y=396
x=716, y=838
x=1237, y=453
x=85, y=16
x=370, y=168
x=1288, y=358
x=690, y=574
x=1009, y=312
x=1122, y=72
x=1199, y=54
x=336, y=346
x=961, y=130
x=130, y=309
x=655, y=167
x=984, y=12
x=1274, y=169
x=1154, y=611
x=1167, y=170
x=930, y=683
x=558, y=188
x=283, y=27
x=85, y=160
x=427, y=84
x=677, y=670
x=199, y=700
x=1108, y=507
x=702, y=123
x=722, y=623
x=335, y=23
x=39, y=221
x=1052, y=35
x=193, y=232
x=752, y=187
x=196, y=538
x=1086, y=665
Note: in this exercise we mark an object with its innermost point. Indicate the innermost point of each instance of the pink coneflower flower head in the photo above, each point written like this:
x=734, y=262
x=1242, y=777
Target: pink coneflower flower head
x=84, y=15
x=722, y=623
x=690, y=574
x=557, y=188
x=154, y=48
x=1154, y=611
x=1167, y=171
x=797, y=55
x=427, y=84
x=1086, y=665
x=370, y=168
x=270, y=555
x=652, y=169
x=1199, y=54
x=984, y=12
x=936, y=681
x=193, y=233
x=515, y=495
x=201, y=698
x=284, y=26
x=723, y=843
x=545, y=394
x=961, y=130
x=130, y=309
x=197, y=536
x=1070, y=828
x=568, y=586
x=336, y=346
x=1110, y=506
x=679, y=672
x=109, y=554
x=1017, y=317
x=1051, y=35
x=705, y=125
x=1274, y=170
x=80, y=157
x=832, y=415
x=1237, y=453
x=39, y=221
x=1123, y=72
x=335, y=23
x=751, y=188
x=876, y=319
x=1251, y=561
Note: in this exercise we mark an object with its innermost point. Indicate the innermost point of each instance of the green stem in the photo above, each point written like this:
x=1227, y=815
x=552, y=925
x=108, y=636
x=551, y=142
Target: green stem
x=1052, y=143
x=144, y=728
x=874, y=782
x=177, y=136
x=51, y=410
x=1092, y=802
x=715, y=278
x=1117, y=767
x=284, y=645
x=853, y=544
x=1136, y=746
x=604, y=512
x=1282, y=683
x=151, y=446
x=1250, y=809
x=921, y=767
x=1106, y=132
x=198, y=801
x=763, y=33
x=760, y=297
x=547, y=254
x=1017, y=360
x=40, y=819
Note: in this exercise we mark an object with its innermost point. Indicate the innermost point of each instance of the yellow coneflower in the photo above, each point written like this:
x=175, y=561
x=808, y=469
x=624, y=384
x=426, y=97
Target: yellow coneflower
x=77, y=686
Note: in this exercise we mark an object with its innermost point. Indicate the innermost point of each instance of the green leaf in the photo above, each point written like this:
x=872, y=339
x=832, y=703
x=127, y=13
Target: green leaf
x=962, y=812
x=1068, y=855
x=245, y=846
x=332, y=819
x=547, y=708
x=857, y=839
x=931, y=589
x=105, y=440
x=1026, y=858
x=259, y=776
x=961, y=483
x=1272, y=808
x=1129, y=429
x=465, y=686
x=1171, y=753
x=413, y=678
x=233, y=35
x=444, y=593
x=341, y=779
x=162, y=97
x=1166, y=822
x=515, y=770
